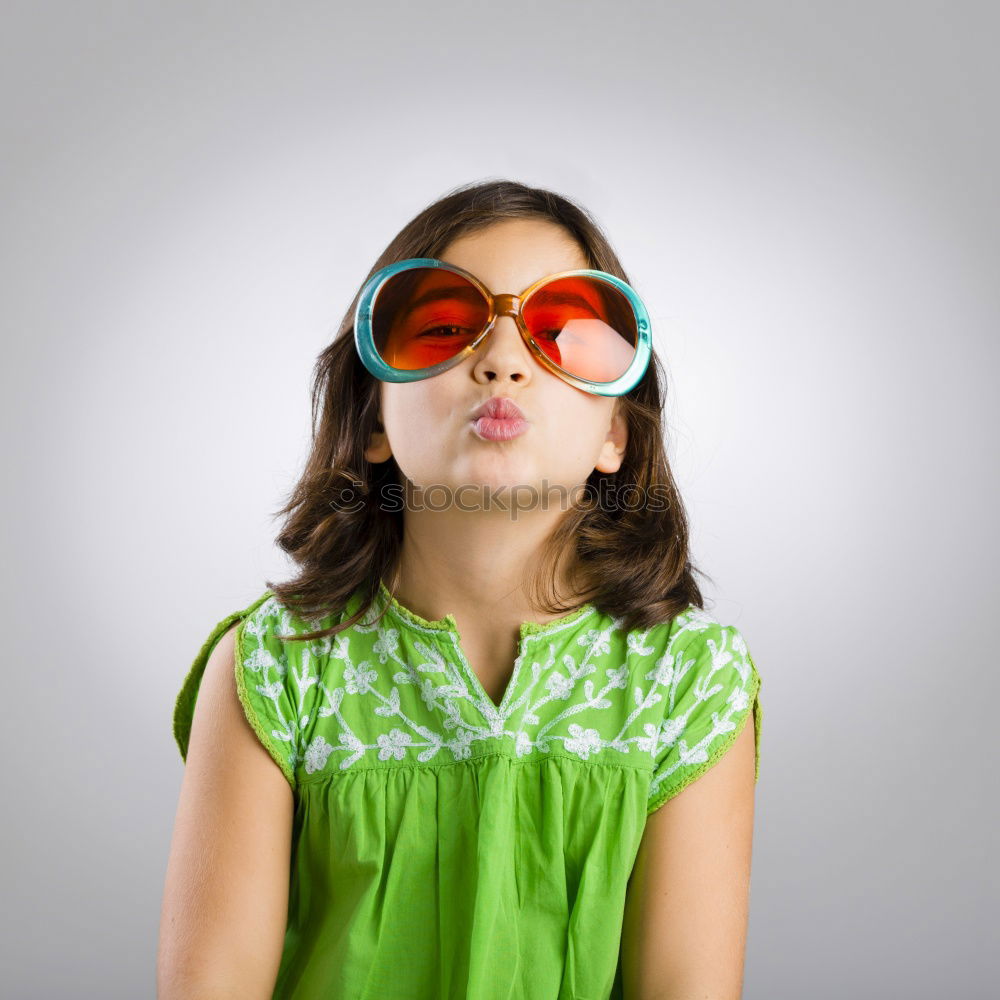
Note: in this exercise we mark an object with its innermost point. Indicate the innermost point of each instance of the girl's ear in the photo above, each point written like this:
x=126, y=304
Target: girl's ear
x=613, y=449
x=378, y=449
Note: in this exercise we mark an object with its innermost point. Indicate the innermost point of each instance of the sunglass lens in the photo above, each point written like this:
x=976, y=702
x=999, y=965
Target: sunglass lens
x=426, y=315
x=585, y=325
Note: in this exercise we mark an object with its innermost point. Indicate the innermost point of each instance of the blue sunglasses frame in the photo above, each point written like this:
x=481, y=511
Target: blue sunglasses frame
x=499, y=305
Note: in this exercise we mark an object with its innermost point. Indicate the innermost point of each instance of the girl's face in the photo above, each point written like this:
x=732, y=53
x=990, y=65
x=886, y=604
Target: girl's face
x=428, y=424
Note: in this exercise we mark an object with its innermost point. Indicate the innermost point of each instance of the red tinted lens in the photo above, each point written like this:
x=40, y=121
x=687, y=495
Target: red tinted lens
x=426, y=315
x=585, y=325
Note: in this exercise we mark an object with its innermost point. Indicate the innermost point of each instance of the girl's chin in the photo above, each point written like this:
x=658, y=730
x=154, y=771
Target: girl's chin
x=475, y=483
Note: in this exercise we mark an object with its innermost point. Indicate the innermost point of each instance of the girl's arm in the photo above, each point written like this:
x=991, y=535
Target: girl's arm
x=225, y=899
x=687, y=907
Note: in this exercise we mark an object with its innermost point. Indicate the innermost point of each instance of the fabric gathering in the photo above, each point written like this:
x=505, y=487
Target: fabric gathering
x=455, y=847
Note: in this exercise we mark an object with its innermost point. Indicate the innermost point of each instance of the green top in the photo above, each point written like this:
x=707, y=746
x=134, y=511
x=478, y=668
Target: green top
x=445, y=846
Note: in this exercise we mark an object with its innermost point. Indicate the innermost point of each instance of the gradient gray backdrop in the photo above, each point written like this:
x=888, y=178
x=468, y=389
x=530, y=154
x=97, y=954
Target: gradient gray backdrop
x=804, y=194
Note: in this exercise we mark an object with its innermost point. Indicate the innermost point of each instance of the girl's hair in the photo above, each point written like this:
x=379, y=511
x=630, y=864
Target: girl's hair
x=629, y=558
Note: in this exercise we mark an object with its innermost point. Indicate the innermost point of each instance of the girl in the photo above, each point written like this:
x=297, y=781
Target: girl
x=445, y=759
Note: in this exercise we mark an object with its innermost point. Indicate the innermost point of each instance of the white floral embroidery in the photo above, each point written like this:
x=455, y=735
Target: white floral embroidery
x=618, y=676
x=393, y=744
x=260, y=659
x=738, y=700
x=303, y=679
x=386, y=644
x=669, y=731
x=546, y=695
x=583, y=741
x=272, y=690
x=316, y=754
x=597, y=641
x=461, y=745
x=561, y=687
x=649, y=742
x=270, y=617
x=359, y=680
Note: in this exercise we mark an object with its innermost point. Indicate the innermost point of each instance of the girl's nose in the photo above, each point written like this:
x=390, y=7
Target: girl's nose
x=505, y=354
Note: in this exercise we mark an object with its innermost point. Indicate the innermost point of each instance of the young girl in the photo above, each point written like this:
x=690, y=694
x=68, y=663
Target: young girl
x=445, y=760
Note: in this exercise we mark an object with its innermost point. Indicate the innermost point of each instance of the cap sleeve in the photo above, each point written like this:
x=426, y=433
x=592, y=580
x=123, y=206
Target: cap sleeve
x=267, y=688
x=711, y=689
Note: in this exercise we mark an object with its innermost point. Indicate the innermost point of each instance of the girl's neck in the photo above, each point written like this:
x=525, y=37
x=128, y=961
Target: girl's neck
x=477, y=568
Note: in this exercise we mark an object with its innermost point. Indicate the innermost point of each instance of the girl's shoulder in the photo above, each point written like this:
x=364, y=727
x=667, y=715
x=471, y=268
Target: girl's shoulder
x=707, y=687
x=270, y=667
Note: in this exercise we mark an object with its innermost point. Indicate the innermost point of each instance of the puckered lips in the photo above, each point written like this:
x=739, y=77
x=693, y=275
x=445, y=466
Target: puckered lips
x=499, y=419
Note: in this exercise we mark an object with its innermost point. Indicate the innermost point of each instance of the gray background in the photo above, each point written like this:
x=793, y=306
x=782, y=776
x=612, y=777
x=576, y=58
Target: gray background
x=804, y=194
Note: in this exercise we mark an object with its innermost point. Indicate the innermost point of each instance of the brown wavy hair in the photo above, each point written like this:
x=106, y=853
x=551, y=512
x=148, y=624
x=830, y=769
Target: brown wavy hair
x=632, y=564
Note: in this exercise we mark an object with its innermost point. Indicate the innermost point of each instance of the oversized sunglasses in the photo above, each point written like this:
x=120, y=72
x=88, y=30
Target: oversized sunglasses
x=419, y=317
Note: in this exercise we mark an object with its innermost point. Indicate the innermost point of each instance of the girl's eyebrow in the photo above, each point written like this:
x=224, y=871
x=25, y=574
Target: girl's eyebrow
x=463, y=291
x=564, y=299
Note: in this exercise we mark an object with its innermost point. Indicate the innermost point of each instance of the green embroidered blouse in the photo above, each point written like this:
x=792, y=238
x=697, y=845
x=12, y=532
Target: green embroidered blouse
x=445, y=846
